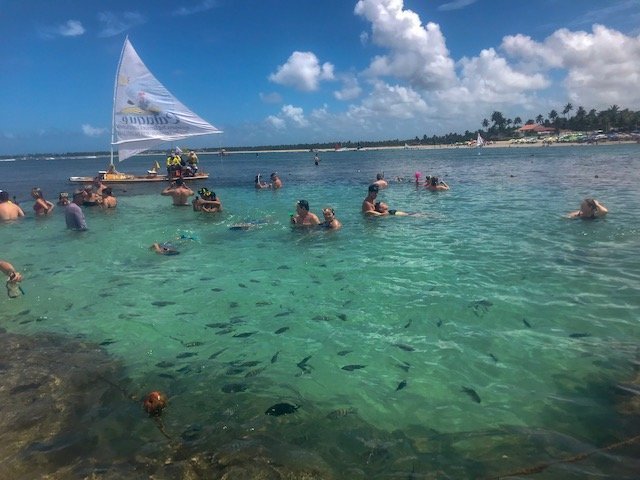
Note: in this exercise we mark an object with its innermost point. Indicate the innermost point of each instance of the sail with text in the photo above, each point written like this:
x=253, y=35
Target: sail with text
x=145, y=113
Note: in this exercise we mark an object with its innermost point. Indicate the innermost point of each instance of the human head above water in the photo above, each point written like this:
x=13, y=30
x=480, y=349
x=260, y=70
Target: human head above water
x=4, y=196
x=303, y=204
x=374, y=188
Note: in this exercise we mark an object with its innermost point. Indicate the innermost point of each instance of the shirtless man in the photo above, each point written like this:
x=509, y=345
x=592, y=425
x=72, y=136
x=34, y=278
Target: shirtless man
x=275, y=181
x=179, y=192
x=8, y=209
x=380, y=181
x=369, y=205
x=304, y=218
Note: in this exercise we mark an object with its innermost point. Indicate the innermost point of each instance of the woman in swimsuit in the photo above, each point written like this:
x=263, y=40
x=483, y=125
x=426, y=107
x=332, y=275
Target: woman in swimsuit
x=590, y=208
x=330, y=220
x=42, y=206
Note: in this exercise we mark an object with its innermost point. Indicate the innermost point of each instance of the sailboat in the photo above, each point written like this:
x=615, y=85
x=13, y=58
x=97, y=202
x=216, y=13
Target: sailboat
x=145, y=114
x=479, y=141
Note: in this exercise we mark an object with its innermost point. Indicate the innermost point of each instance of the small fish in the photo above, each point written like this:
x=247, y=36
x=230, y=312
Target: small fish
x=263, y=303
x=302, y=365
x=225, y=331
x=216, y=289
x=253, y=280
x=351, y=368
x=233, y=387
x=244, y=334
x=106, y=342
x=164, y=364
x=406, y=366
x=283, y=267
x=192, y=344
x=472, y=393
x=186, y=355
x=526, y=324
x=406, y=348
x=218, y=325
x=242, y=285
x=187, y=290
x=234, y=371
x=214, y=355
x=439, y=323
x=304, y=361
x=250, y=363
x=281, y=409
x=184, y=369
x=281, y=330
x=401, y=385
x=408, y=323
x=323, y=318
x=274, y=359
x=185, y=313
x=23, y=312
x=493, y=357
x=283, y=314
x=341, y=412
x=579, y=335
x=166, y=375
x=24, y=388
x=254, y=372
x=234, y=304
x=162, y=303
x=342, y=316
x=342, y=353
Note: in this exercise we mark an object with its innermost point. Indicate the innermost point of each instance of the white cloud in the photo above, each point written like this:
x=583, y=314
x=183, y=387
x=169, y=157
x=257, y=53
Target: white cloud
x=272, y=97
x=71, y=28
x=602, y=67
x=350, y=88
x=203, y=6
x=295, y=115
x=417, y=53
x=90, y=131
x=115, y=24
x=276, y=122
x=303, y=72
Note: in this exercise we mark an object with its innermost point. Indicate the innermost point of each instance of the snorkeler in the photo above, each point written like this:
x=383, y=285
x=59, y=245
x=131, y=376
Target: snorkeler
x=164, y=249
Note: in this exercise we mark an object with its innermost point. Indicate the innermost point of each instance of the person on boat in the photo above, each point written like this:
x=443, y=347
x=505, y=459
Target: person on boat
x=276, y=183
x=436, y=185
x=590, y=209
x=330, y=220
x=13, y=278
x=108, y=200
x=174, y=164
x=368, y=204
x=179, y=192
x=383, y=209
x=303, y=217
x=380, y=181
x=8, y=209
x=73, y=215
x=192, y=162
x=42, y=206
x=91, y=198
x=260, y=184
x=63, y=199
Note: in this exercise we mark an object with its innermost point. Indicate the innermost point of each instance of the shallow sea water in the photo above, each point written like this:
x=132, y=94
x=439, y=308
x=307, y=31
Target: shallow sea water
x=491, y=331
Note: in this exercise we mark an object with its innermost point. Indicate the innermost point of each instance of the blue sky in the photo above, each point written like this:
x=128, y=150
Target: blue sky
x=300, y=71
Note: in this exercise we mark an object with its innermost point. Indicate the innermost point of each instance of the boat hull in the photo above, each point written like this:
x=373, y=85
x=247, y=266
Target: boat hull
x=135, y=178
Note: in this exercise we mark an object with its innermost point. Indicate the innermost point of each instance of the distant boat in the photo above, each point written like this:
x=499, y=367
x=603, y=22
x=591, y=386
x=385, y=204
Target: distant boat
x=145, y=114
x=479, y=141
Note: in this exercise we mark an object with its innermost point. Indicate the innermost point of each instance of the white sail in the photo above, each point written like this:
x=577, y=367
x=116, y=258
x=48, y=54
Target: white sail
x=145, y=113
x=479, y=141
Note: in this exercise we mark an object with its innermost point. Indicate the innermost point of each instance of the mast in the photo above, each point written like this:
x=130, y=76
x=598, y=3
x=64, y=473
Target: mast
x=113, y=103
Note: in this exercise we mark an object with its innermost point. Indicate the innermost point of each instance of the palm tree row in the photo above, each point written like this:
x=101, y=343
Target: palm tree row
x=606, y=120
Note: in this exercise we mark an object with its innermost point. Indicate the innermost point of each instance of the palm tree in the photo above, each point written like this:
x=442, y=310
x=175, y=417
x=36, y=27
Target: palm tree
x=517, y=121
x=485, y=123
x=540, y=119
x=498, y=119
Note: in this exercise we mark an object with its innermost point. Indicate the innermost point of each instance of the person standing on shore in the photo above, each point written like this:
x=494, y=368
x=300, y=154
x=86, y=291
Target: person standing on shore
x=73, y=215
x=8, y=209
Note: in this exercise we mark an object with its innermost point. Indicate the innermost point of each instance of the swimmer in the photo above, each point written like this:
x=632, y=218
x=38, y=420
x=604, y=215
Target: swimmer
x=330, y=220
x=436, y=185
x=260, y=184
x=380, y=181
x=590, y=209
x=383, y=209
x=303, y=217
x=164, y=249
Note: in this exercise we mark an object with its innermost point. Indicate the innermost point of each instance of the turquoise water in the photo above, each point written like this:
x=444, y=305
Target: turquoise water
x=489, y=289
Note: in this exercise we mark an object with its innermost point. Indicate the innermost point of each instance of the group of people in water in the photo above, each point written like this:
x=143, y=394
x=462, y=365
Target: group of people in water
x=101, y=195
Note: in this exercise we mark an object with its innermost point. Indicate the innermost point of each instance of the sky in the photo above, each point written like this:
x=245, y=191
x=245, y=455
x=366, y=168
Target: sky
x=274, y=72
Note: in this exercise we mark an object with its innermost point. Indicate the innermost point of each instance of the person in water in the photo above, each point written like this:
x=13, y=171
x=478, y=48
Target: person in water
x=383, y=209
x=179, y=192
x=260, y=184
x=590, y=209
x=13, y=278
x=380, y=181
x=108, y=200
x=436, y=185
x=368, y=204
x=303, y=217
x=330, y=220
x=209, y=203
x=73, y=213
x=164, y=249
x=42, y=206
x=276, y=183
x=63, y=199
x=8, y=209
x=316, y=159
x=90, y=198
